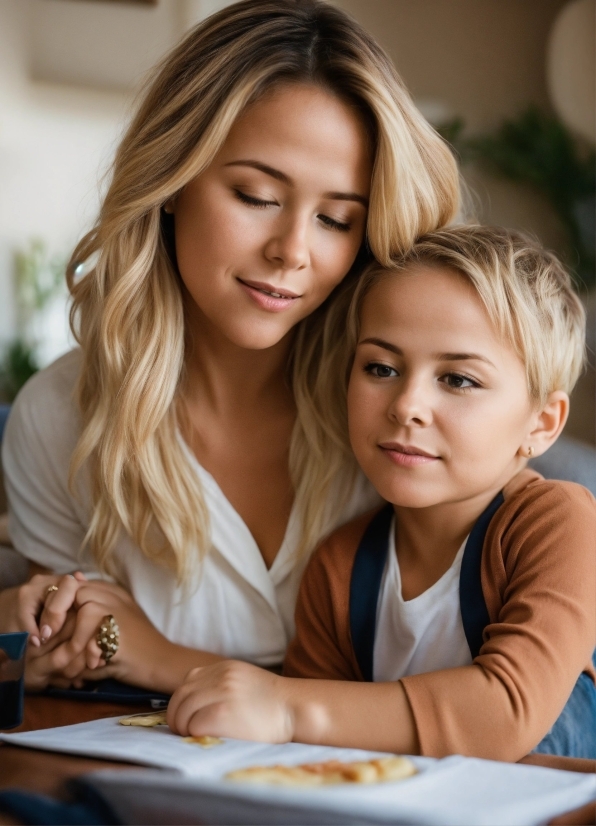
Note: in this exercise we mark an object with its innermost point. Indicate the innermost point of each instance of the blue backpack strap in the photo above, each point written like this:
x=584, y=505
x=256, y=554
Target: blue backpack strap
x=365, y=584
x=474, y=612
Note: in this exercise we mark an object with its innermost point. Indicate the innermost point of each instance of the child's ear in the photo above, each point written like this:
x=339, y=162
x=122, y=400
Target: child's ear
x=547, y=425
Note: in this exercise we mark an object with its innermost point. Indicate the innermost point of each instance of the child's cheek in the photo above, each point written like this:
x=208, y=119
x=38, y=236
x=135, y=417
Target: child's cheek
x=362, y=418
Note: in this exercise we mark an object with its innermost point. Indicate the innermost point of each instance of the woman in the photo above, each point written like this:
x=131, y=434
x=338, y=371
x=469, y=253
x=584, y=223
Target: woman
x=180, y=448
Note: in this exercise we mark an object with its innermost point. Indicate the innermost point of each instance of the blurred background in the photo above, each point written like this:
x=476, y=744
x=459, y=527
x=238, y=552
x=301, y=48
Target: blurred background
x=510, y=83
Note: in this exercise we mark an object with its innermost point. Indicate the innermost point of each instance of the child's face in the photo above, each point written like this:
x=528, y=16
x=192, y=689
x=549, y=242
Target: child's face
x=438, y=404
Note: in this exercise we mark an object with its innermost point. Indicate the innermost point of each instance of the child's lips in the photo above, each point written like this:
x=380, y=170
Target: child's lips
x=407, y=455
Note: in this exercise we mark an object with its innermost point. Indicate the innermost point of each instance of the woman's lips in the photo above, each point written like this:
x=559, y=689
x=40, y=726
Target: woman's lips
x=407, y=455
x=268, y=296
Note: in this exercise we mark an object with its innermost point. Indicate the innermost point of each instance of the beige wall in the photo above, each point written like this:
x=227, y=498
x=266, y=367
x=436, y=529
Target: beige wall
x=483, y=60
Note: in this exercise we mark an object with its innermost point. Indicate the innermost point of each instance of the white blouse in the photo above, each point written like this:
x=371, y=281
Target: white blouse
x=237, y=609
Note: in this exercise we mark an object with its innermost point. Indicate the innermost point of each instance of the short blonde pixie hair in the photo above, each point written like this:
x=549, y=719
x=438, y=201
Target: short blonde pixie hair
x=527, y=293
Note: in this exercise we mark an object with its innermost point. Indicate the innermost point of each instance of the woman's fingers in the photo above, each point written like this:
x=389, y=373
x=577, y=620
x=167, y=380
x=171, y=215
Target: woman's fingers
x=93, y=654
x=56, y=605
x=101, y=591
x=29, y=602
x=88, y=618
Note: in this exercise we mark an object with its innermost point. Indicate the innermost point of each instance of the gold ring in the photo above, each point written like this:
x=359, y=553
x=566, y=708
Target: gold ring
x=50, y=589
x=108, y=637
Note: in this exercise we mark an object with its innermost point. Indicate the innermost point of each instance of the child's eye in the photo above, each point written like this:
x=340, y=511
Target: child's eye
x=456, y=381
x=331, y=223
x=380, y=371
x=254, y=202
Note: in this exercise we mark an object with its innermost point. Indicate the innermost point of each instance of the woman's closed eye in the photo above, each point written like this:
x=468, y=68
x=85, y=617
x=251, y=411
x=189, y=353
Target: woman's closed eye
x=459, y=381
x=263, y=203
x=333, y=224
x=380, y=371
x=250, y=200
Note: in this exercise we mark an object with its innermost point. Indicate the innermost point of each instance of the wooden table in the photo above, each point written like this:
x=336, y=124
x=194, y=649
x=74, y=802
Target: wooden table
x=47, y=773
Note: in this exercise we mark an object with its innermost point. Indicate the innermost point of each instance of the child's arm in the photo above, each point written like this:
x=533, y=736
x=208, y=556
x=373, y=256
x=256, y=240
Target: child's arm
x=322, y=647
x=539, y=575
x=234, y=699
x=500, y=707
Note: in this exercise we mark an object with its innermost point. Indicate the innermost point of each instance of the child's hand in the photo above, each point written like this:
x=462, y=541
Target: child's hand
x=232, y=699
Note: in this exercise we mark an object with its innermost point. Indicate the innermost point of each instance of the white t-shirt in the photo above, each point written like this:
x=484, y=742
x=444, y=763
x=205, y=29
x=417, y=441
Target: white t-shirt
x=421, y=634
x=239, y=609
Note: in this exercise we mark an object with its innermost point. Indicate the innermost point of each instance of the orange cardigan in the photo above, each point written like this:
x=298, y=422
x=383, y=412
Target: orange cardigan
x=539, y=582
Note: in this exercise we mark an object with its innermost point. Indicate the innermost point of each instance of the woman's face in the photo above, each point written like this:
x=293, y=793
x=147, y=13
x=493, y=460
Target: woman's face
x=275, y=222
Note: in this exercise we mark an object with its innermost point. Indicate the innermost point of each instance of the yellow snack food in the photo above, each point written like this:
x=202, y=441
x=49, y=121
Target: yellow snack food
x=205, y=740
x=331, y=772
x=157, y=718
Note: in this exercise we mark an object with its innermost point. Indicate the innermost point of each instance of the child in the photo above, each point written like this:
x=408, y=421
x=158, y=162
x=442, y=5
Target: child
x=462, y=614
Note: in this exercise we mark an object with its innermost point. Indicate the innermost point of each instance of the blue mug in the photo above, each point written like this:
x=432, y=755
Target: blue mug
x=12, y=680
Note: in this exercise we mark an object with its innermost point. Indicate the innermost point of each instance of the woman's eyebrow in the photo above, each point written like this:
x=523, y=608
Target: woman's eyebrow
x=268, y=170
x=285, y=179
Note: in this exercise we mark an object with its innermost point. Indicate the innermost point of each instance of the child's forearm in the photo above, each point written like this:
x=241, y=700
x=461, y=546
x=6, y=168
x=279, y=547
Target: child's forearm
x=374, y=716
x=235, y=699
x=166, y=669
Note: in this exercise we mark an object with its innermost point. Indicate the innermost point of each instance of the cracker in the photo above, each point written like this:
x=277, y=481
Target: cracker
x=331, y=772
x=157, y=718
x=206, y=741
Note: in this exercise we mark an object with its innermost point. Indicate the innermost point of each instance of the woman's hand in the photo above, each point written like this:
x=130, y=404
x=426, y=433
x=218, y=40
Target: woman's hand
x=72, y=655
x=141, y=645
x=20, y=607
x=46, y=665
x=233, y=699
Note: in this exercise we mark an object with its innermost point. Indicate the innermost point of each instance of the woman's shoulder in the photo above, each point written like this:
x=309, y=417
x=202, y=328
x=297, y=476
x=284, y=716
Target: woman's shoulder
x=55, y=382
x=44, y=412
x=49, y=394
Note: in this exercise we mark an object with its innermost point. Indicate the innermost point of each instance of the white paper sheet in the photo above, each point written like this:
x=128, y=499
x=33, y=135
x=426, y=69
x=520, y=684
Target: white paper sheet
x=455, y=790
x=160, y=747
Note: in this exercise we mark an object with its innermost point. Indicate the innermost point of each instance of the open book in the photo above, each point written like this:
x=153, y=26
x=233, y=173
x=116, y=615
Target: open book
x=455, y=790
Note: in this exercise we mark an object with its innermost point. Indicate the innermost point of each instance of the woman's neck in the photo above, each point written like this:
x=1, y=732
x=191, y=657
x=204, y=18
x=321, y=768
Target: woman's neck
x=237, y=416
x=228, y=377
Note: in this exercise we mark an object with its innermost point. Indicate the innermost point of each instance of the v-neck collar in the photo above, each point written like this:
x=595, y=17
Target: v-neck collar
x=231, y=537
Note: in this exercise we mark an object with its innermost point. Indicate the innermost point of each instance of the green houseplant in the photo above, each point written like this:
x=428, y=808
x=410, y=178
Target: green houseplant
x=538, y=150
x=38, y=278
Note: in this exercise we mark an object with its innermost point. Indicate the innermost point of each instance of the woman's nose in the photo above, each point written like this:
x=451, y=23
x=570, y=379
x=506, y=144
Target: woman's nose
x=412, y=405
x=288, y=246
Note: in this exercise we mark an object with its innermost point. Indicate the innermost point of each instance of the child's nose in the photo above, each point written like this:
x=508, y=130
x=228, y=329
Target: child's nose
x=411, y=405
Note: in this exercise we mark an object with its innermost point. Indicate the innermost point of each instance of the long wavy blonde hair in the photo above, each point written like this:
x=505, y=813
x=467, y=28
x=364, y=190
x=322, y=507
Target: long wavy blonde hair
x=127, y=312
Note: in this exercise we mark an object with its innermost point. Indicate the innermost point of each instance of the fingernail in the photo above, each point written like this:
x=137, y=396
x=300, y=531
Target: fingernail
x=34, y=641
x=46, y=633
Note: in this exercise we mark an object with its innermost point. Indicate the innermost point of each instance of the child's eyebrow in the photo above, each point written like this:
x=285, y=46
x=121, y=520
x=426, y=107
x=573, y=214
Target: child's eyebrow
x=382, y=343
x=464, y=357
x=386, y=345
